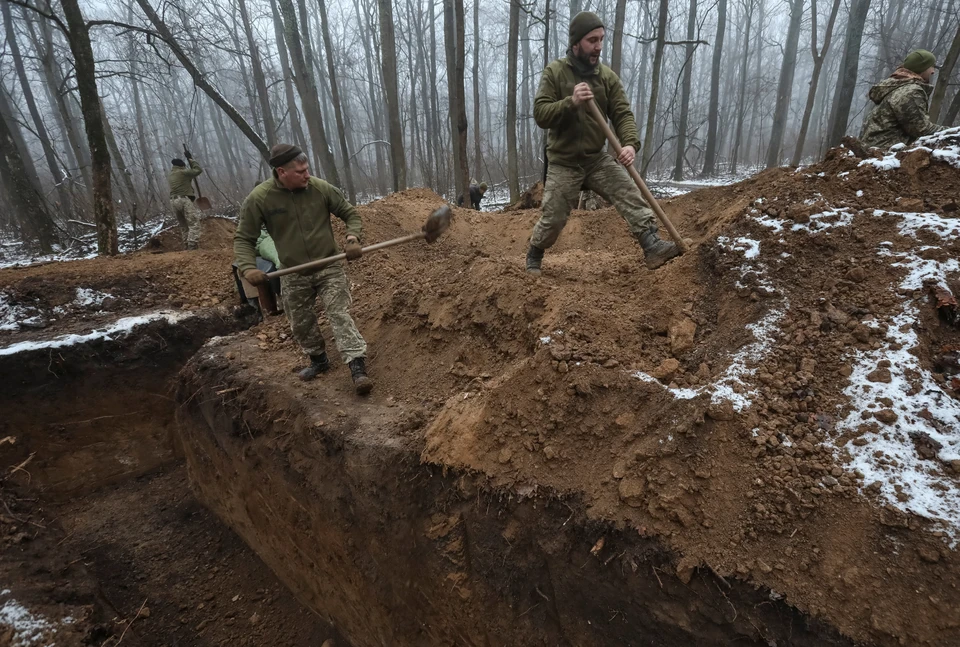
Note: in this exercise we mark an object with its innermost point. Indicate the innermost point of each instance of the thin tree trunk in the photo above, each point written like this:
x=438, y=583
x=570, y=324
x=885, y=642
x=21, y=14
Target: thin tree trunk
x=259, y=79
x=953, y=111
x=388, y=53
x=741, y=99
x=655, y=86
x=686, y=85
x=818, y=59
x=337, y=106
x=454, y=46
x=120, y=167
x=943, y=77
x=617, y=54
x=710, y=156
x=293, y=114
x=200, y=79
x=28, y=210
x=512, y=46
x=86, y=76
x=849, y=66
x=58, y=174
x=785, y=87
x=374, y=104
x=477, y=155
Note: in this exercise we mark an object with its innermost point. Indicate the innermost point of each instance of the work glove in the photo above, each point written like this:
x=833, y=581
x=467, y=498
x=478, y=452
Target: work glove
x=188, y=154
x=353, y=249
x=256, y=277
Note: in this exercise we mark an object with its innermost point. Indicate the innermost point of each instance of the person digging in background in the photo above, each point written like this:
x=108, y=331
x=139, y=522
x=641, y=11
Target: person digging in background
x=902, y=111
x=182, y=196
x=575, y=146
x=295, y=208
x=476, y=195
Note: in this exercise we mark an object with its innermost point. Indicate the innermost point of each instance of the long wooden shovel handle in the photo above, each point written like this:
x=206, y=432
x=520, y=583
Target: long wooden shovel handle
x=635, y=174
x=329, y=260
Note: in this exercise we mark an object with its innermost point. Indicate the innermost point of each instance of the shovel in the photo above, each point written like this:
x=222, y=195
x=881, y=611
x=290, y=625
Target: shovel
x=437, y=223
x=615, y=144
x=203, y=204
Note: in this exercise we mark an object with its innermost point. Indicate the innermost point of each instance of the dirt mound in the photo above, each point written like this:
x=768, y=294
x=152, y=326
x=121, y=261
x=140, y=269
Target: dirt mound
x=532, y=198
x=215, y=233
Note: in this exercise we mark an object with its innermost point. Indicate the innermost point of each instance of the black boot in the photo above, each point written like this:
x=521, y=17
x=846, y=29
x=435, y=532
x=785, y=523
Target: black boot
x=318, y=364
x=358, y=370
x=657, y=251
x=534, y=259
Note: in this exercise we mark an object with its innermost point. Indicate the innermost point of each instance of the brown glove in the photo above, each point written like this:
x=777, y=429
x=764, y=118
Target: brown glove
x=256, y=277
x=353, y=249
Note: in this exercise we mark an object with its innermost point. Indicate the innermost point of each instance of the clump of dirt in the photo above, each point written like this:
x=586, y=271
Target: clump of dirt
x=532, y=198
x=215, y=233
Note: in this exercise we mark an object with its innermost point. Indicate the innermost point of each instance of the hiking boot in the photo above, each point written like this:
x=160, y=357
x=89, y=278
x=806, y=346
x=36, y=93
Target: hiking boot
x=534, y=260
x=318, y=364
x=657, y=251
x=358, y=371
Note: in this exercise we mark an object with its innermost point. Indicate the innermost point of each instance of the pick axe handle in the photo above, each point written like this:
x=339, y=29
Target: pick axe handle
x=635, y=174
x=329, y=260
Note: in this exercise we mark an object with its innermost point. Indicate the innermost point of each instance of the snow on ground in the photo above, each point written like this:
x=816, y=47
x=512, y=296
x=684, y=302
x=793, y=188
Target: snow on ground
x=13, y=315
x=119, y=328
x=28, y=629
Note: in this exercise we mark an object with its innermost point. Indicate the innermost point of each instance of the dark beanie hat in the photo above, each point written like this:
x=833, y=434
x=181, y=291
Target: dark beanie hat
x=582, y=24
x=919, y=60
x=283, y=153
x=176, y=161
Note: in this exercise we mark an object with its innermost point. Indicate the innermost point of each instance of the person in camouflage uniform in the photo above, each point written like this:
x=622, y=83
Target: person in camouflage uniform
x=901, y=113
x=295, y=208
x=182, y=197
x=575, y=146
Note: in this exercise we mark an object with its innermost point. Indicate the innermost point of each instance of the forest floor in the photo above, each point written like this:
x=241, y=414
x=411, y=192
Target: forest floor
x=780, y=406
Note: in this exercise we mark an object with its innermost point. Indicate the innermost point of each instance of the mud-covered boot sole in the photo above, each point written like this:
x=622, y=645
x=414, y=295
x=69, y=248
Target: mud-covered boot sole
x=653, y=261
x=362, y=385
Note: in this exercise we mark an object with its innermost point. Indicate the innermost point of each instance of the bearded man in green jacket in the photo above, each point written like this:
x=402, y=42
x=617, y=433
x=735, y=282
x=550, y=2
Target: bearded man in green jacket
x=575, y=145
x=295, y=208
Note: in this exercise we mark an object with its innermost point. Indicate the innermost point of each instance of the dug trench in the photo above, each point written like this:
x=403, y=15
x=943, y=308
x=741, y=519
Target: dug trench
x=602, y=456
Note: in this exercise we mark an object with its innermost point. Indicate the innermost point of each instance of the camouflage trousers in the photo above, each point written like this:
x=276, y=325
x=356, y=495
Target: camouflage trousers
x=299, y=301
x=188, y=217
x=604, y=176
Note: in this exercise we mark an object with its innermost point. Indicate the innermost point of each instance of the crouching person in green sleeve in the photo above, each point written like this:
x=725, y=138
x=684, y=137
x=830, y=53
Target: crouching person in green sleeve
x=295, y=208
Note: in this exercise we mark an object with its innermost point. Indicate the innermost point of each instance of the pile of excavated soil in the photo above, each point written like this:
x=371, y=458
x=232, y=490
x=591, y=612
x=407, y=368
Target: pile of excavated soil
x=215, y=233
x=529, y=199
x=776, y=406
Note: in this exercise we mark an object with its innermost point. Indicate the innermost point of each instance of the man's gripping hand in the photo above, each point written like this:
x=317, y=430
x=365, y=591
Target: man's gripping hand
x=353, y=249
x=627, y=155
x=581, y=94
x=256, y=277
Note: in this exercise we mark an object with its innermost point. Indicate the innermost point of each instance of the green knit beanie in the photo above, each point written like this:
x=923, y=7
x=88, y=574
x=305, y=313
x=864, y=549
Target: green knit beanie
x=582, y=24
x=919, y=60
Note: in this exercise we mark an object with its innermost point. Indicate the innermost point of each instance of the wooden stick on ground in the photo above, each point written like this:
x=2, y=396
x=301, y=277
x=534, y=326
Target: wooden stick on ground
x=615, y=144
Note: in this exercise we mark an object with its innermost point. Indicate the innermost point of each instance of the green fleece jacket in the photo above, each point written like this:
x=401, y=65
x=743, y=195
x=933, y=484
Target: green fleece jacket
x=181, y=179
x=575, y=138
x=298, y=222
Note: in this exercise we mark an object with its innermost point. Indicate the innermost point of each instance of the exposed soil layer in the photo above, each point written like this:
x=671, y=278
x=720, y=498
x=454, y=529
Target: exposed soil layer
x=101, y=537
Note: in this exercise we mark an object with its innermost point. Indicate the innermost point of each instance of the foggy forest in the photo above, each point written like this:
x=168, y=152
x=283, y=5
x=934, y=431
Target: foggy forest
x=96, y=98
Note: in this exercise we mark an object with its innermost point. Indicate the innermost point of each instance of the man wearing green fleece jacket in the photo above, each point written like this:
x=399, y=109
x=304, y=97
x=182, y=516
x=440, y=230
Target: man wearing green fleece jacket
x=576, y=145
x=295, y=208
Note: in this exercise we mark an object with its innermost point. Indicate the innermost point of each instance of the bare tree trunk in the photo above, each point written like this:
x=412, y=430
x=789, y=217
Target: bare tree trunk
x=943, y=77
x=200, y=79
x=954, y=110
x=512, y=46
x=375, y=111
x=477, y=155
x=259, y=79
x=58, y=174
x=307, y=88
x=710, y=156
x=388, y=54
x=337, y=106
x=28, y=210
x=86, y=75
x=686, y=85
x=526, y=111
x=617, y=54
x=818, y=58
x=741, y=98
x=121, y=169
x=293, y=114
x=849, y=65
x=453, y=44
x=648, y=146
x=785, y=88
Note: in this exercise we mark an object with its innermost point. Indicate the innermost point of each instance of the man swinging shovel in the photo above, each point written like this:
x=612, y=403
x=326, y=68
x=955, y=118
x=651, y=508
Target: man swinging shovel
x=186, y=202
x=296, y=208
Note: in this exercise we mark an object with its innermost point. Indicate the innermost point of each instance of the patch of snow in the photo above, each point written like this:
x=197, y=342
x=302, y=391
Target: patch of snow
x=87, y=297
x=888, y=163
x=28, y=628
x=13, y=314
x=121, y=327
x=947, y=228
x=545, y=339
x=859, y=193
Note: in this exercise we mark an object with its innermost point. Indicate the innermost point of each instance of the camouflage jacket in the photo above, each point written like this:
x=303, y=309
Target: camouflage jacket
x=575, y=138
x=181, y=179
x=901, y=111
